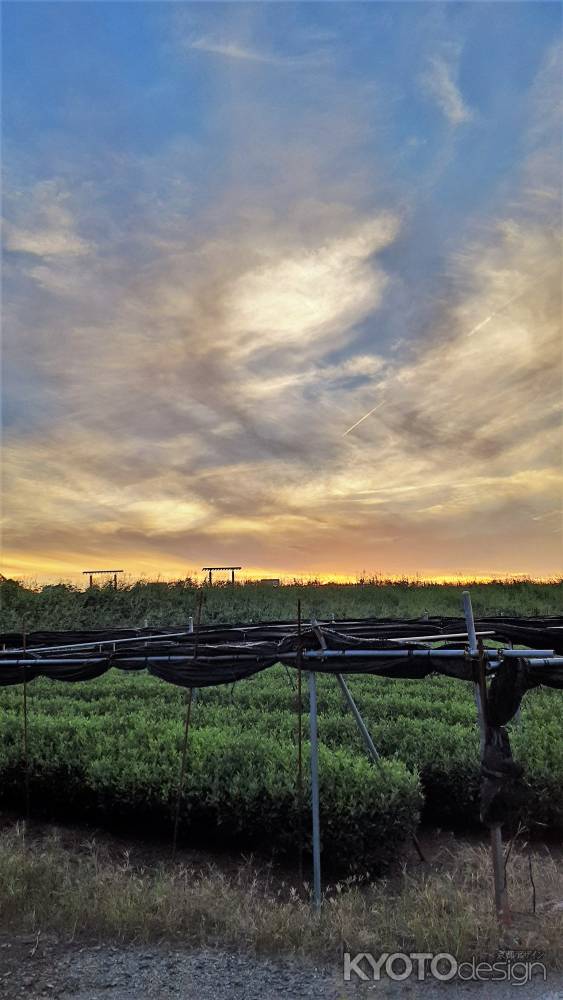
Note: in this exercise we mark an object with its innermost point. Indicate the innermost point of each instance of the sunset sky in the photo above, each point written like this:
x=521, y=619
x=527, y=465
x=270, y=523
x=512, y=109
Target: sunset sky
x=231, y=231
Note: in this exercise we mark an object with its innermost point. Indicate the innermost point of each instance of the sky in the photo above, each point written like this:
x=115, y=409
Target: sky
x=233, y=230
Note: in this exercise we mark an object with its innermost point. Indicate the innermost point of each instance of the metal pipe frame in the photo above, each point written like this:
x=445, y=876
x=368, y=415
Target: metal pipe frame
x=312, y=654
x=315, y=791
x=368, y=742
x=473, y=652
x=103, y=642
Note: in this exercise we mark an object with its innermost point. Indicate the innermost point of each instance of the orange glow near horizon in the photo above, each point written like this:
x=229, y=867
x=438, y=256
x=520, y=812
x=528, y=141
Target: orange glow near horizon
x=51, y=572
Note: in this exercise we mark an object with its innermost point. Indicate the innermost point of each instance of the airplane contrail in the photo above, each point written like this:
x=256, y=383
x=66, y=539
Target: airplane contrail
x=505, y=305
x=365, y=416
x=470, y=334
x=495, y=313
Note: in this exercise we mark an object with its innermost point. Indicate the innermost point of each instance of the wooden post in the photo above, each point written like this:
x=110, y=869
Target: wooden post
x=210, y=577
x=480, y=687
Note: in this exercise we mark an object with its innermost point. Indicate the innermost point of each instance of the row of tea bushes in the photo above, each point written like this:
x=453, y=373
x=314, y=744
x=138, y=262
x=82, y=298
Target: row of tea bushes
x=240, y=787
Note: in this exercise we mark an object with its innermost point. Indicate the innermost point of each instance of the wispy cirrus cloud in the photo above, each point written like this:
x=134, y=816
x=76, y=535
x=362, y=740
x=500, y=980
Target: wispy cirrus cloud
x=439, y=82
x=238, y=51
x=234, y=50
x=202, y=363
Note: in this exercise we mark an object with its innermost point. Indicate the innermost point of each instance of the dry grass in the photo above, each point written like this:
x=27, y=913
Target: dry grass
x=86, y=892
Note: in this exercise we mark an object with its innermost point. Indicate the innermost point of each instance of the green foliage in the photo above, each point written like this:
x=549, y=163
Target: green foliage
x=240, y=787
x=110, y=749
x=64, y=606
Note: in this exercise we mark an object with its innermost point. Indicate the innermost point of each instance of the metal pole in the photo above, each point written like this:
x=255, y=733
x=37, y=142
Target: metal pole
x=369, y=744
x=195, y=691
x=300, y=741
x=315, y=791
x=473, y=651
x=90, y=579
x=210, y=576
x=233, y=577
x=182, y=772
x=115, y=581
x=25, y=746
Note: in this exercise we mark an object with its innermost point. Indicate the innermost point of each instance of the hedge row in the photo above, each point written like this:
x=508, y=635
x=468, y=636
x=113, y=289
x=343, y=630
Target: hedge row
x=240, y=787
x=428, y=726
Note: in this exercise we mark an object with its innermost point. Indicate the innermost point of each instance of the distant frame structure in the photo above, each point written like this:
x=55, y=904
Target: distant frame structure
x=102, y=572
x=214, y=569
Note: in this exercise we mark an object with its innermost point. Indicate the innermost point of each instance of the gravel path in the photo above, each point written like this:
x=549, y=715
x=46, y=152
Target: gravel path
x=35, y=970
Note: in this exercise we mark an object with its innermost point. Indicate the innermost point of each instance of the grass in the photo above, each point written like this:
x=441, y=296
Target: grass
x=65, y=607
x=91, y=891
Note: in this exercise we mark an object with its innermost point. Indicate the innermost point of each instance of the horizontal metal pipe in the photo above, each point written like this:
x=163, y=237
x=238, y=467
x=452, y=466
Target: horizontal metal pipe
x=309, y=654
x=552, y=661
x=437, y=637
x=98, y=642
x=526, y=654
x=30, y=662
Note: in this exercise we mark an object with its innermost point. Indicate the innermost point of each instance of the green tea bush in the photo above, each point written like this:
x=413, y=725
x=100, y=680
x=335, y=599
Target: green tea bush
x=240, y=788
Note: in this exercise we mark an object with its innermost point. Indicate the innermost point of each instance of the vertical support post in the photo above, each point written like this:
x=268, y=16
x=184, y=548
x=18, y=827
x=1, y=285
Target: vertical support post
x=501, y=900
x=315, y=791
x=195, y=691
x=210, y=577
x=182, y=772
x=480, y=689
x=233, y=577
x=190, y=631
x=25, y=744
x=473, y=651
x=115, y=581
x=90, y=580
x=300, y=738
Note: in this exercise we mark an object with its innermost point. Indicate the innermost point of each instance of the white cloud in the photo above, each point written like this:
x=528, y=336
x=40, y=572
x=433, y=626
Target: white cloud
x=308, y=295
x=439, y=83
x=44, y=224
x=233, y=50
x=45, y=243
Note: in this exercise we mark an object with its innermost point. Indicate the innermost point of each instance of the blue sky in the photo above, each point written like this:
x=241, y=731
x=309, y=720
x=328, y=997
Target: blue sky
x=230, y=230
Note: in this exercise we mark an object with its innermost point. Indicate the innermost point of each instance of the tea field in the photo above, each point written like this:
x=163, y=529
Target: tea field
x=108, y=751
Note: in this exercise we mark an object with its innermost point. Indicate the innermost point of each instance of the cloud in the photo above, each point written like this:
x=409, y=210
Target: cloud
x=233, y=50
x=203, y=361
x=45, y=226
x=305, y=297
x=439, y=83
